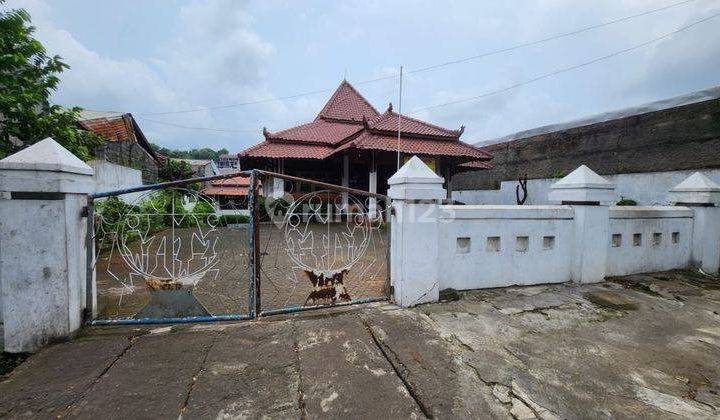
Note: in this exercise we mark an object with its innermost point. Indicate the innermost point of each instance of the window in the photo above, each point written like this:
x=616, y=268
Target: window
x=676, y=237
x=637, y=239
x=493, y=244
x=522, y=243
x=657, y=238
x=548, y=242
x=463, y=245
x=616, y=240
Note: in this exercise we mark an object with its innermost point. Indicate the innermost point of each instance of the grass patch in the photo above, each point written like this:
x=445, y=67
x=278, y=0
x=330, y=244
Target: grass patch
x=9, y=361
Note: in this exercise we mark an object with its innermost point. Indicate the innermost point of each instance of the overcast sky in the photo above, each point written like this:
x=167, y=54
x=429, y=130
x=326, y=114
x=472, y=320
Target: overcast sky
x=147, y=57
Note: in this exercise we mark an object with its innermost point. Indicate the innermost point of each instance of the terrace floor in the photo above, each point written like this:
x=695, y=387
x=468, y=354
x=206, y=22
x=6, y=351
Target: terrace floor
x=634, y=346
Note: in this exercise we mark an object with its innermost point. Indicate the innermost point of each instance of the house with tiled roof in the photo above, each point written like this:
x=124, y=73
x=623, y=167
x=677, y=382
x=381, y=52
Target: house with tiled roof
x=352, y=144
x=125, y=143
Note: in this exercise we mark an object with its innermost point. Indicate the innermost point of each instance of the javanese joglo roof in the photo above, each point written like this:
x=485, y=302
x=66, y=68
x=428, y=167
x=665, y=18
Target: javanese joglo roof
x=349, y=121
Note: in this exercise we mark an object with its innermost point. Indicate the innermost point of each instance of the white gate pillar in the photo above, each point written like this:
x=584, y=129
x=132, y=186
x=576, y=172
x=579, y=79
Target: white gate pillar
x=589, y=194
x=43, y=190
x=702, y=195
x=416, y=192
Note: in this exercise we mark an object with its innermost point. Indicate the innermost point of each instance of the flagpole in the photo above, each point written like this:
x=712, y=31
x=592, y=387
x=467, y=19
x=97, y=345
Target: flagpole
x=399, y=116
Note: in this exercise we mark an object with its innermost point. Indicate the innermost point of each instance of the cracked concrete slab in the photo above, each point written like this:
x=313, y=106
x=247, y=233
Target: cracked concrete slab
x=151, y=380
x=345, y=374
x=47, y=383
x=249, y=373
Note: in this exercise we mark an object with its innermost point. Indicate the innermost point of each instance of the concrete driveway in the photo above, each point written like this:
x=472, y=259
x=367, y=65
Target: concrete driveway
x=636, y=346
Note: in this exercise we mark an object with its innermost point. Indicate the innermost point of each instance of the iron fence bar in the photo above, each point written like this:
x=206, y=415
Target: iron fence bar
x=255, y=232
x=163, y=185
x=90, y=258
x=251, y=244
x=298, y=308
x=184, y=320
x=322, y=184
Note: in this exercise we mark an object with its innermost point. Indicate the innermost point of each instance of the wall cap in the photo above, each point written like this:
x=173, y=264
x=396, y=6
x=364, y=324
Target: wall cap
x=46, y=155
x=583, y=177
x=415, y=171
x=695, y=189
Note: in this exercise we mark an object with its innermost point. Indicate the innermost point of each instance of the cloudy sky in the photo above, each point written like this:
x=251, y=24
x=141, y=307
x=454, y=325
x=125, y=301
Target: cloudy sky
x=154, y=58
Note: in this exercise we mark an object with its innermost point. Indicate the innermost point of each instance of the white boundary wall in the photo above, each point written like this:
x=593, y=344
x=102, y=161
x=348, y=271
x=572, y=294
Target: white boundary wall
x=645, y=239
x=109, y=177
x=492, y=246
x=647, y=189
x=435, y=247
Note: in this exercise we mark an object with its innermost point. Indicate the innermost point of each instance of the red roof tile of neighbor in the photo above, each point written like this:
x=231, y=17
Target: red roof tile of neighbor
x=112, y=129
x=238, y=181
x=347, y=104
x=268, y=149
x=234, y=191
x=318, y=131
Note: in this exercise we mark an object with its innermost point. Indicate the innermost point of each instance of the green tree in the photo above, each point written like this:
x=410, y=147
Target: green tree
x=175, y=170
x=27, y=78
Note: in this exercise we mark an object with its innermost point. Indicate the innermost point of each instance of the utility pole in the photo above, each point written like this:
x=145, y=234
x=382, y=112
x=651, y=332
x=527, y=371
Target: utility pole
x=399, y=117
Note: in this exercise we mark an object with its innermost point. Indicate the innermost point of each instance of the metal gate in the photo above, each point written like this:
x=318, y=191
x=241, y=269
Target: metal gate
x=183, y=252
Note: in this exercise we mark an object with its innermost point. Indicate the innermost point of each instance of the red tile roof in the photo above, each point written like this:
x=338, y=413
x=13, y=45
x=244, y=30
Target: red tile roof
x=268, y=149
x=318, y=131
x=111, y=129
x=388, y=122
x=349, y=121
x=234, y=191
x=347, y=104
x=429, y=147
x=238, y=181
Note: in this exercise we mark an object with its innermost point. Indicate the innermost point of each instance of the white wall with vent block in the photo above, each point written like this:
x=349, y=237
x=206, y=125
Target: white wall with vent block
x=580, y=239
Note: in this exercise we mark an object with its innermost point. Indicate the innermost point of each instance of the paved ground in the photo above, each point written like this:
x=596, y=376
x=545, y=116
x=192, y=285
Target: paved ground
x=639, y=346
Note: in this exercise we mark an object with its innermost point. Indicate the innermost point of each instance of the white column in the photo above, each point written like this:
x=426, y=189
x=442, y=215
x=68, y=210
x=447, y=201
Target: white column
x=278, y=187
x=372, y=187
x=589, y=194
x=43, y=190
x=416, y=192
x=702, y=195
x=345, y=180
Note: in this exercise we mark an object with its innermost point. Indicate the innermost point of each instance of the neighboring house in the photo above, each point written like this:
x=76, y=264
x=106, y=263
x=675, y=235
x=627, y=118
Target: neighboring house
x=643, y=150
x=352, y=144
x=202, y=167
x=228, y=161
x=125, y=144
x=229, y=194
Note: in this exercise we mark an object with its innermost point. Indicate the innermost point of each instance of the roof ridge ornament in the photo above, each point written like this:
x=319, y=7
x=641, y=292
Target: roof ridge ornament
x=389, y=107
x=365, y=122
x=266, y=133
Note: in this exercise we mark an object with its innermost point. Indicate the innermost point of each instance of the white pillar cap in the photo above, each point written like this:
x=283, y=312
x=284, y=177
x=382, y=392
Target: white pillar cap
x=695, y=189
x=45, y=166
x=582, y=185
x=416, y=181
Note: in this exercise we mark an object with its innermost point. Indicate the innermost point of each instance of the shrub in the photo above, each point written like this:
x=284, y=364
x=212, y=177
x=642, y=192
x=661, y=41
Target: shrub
x=233, y=219
x=626, y=202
